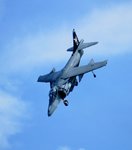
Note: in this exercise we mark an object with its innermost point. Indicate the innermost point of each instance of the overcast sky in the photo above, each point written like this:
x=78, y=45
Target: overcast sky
x=34, y=36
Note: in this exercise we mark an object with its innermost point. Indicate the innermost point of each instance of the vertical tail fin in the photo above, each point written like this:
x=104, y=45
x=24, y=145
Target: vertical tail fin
x=79, y=45
x=75, y=41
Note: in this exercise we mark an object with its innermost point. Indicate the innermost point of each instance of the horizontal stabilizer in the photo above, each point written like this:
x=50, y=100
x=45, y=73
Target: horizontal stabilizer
x=85, y=45
x=82, y=46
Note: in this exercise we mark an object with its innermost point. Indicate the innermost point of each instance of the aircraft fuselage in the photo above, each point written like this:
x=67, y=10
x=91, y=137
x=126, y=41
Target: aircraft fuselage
x=61, y=88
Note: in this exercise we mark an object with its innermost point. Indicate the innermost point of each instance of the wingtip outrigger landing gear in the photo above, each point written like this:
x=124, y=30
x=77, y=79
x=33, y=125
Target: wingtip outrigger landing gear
x=94, y=74
x=66, y=103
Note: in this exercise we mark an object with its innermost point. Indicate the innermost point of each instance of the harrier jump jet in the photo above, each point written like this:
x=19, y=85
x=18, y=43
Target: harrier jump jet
x=63, y=82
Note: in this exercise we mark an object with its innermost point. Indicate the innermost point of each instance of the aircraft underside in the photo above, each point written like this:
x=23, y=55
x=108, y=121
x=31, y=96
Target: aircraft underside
x=63, y=82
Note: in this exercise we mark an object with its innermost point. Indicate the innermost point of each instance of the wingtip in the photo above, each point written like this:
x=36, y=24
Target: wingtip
x=38, y=80
x=96, y=42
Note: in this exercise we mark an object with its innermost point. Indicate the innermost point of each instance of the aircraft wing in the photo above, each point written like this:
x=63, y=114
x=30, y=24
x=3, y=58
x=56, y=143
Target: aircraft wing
x=49, y=77
x=84, y=69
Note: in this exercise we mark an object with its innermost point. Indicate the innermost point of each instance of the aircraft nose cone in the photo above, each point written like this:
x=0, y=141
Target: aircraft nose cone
x=49, y=114
x=51, y=109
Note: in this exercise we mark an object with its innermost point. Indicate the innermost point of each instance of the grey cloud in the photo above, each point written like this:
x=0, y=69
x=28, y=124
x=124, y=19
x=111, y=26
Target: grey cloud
x=12, y=112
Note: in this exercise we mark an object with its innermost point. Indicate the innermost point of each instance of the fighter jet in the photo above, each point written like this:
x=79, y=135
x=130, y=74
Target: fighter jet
x=63, y=82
